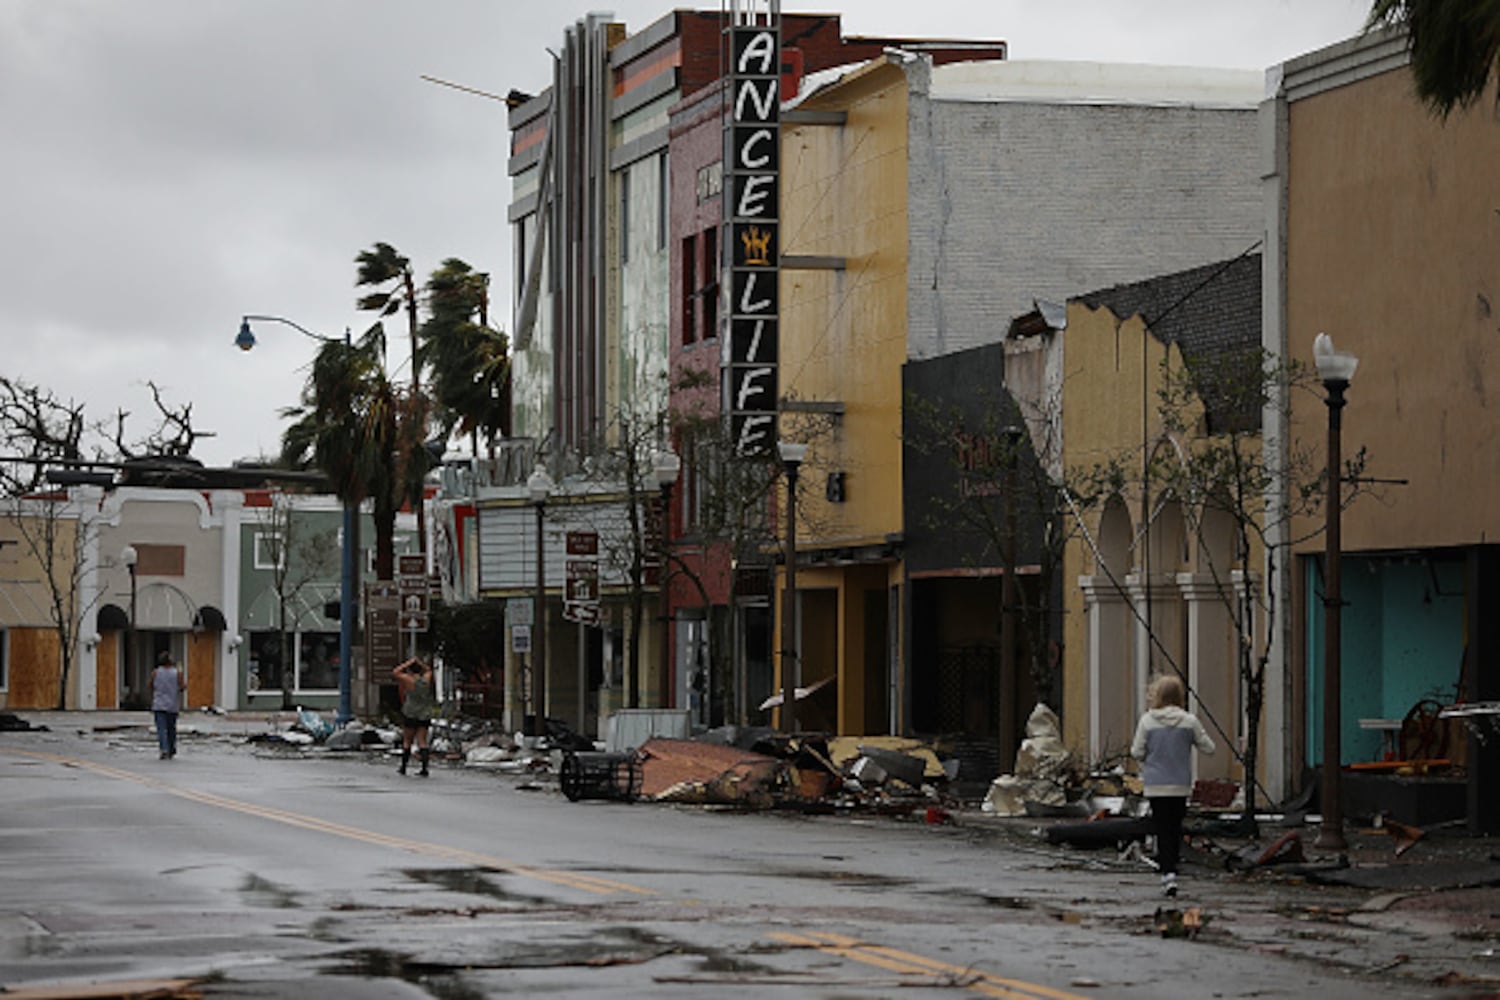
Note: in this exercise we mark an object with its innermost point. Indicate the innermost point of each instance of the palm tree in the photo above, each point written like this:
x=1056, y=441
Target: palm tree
x=355, y=426
x=470, y=361
x=1455, y=45
x=389, y=273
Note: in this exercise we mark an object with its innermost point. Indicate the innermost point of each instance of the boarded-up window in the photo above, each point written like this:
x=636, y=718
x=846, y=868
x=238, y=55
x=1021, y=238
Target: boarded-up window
x=160, y=560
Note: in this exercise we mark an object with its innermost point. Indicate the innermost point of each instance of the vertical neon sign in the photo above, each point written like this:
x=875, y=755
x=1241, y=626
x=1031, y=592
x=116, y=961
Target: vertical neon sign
x=752, y=199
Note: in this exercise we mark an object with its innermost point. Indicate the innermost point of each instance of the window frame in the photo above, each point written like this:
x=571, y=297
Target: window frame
x=276, y=561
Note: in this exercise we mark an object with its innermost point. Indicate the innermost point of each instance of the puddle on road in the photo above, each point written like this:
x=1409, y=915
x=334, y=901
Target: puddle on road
x=263, y=892
x=597, y=948
x=473, y=882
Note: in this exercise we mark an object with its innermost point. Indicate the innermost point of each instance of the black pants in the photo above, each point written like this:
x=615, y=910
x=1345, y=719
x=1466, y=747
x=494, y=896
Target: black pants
x=1167, y=812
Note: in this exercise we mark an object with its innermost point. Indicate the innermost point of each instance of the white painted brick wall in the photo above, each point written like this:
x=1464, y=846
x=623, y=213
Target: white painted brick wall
x=1012, y=202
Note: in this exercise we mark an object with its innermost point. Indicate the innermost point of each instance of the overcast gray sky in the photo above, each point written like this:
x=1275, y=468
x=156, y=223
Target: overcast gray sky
x=168, y=165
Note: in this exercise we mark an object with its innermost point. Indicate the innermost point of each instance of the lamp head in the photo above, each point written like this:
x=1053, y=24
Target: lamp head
x=792, y=453
x=1332, y=365
x=665, y=467
x=128, y=556
x=539, y=485
x=246, y=339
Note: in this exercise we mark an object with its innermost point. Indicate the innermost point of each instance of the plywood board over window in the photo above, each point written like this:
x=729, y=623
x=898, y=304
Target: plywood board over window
x=200, y=668
x=35, y=667
x=160, y=560
x=106, y=670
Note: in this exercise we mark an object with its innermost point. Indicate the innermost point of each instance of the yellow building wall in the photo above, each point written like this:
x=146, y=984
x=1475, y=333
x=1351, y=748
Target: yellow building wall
x=1112, y=373
x=1392, y=249
x=843, y=333
x=26, y=608
x=843, y=340
x=1112, y=412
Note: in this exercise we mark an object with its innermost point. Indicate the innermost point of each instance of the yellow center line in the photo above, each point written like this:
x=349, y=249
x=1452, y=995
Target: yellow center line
x=893, y=959
x=588, y=883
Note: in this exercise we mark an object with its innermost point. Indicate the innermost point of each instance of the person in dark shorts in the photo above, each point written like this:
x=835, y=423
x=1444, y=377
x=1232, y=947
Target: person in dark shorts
x=418, y=703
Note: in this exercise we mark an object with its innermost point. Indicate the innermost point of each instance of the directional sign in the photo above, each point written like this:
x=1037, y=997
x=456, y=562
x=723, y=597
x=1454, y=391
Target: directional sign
x=414, y=622
x=583, y=543
x=414, y=603
x=584, y=612
x=382, y=629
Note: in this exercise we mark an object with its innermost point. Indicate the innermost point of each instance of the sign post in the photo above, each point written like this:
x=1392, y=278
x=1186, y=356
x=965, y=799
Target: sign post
x=581, y=591
x=413, y=589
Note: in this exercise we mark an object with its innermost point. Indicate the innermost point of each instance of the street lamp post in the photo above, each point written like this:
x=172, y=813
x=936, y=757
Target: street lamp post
x=665, y=467
x=539, y=487
x=128, y=556
x=348, y=563
x=1336, y=370
x=792, y=456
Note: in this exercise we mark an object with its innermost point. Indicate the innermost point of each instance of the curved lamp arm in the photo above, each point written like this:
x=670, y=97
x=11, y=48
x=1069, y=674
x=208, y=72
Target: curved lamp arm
x=246, y=340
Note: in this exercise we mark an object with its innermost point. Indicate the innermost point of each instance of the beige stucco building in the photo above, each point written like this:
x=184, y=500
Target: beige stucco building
x=1383, y=232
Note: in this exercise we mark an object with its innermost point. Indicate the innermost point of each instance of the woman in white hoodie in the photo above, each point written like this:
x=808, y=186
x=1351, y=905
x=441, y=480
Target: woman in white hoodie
x=1164, y=742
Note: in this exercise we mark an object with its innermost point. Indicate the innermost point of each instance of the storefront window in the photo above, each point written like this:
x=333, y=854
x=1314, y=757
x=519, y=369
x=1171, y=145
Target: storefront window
x=317, y=661
x=315, y=657
x=263, y=672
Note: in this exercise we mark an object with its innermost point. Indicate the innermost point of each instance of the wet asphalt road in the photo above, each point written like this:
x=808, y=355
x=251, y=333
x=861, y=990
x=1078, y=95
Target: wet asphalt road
x=274, y=873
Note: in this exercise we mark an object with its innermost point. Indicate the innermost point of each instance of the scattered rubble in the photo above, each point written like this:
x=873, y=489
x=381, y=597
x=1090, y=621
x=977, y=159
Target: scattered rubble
x=15, y=724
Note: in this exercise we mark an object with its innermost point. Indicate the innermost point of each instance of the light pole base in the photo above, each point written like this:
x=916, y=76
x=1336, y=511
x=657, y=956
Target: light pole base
x=1331, y=838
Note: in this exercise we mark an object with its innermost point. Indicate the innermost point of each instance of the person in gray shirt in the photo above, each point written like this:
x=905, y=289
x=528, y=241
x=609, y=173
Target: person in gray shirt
x=418, y=705
x=1164, y=742
x=167, y=686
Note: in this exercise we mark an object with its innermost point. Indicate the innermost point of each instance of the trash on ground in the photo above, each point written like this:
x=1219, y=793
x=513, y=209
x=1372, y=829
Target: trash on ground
x=1180, y=923
x=1045, y=773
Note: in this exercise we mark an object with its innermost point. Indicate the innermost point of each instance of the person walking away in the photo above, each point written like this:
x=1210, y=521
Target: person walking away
x=167, y=686
x=418, y=704
x=1164, y=740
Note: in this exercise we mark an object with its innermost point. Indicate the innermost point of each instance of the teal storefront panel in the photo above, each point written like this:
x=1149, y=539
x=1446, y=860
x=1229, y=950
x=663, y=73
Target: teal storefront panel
x=1402, y=643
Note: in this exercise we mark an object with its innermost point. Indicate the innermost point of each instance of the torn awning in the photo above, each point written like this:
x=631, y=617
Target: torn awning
x=209, y=619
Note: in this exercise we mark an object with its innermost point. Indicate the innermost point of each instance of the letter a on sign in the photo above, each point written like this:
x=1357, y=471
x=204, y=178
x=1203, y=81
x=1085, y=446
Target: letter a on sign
x=757, y=57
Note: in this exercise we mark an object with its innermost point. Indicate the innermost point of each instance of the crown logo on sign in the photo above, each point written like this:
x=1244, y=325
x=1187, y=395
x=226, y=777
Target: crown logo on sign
x=757, y=245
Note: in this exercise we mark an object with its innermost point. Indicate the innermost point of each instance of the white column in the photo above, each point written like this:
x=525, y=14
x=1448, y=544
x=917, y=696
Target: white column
x=227, y=658
x=1111, y=678
x=1159, y=603
x=86, y=669
x=1213, y=669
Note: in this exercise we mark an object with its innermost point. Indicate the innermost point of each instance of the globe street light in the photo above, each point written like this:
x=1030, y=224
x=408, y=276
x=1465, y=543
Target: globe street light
x=1336, y=370
x=792, y=456
x=665, y=467
x=348, y=574
x=539, y=488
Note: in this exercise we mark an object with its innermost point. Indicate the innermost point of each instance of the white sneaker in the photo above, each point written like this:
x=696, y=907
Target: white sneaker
x=1169, y=886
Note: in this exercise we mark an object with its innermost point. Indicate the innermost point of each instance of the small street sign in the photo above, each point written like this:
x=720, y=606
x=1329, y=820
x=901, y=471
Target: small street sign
x=583, y=543
x=520, y=638
x=518, y=611
x=414, y=622
x=583, y=612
